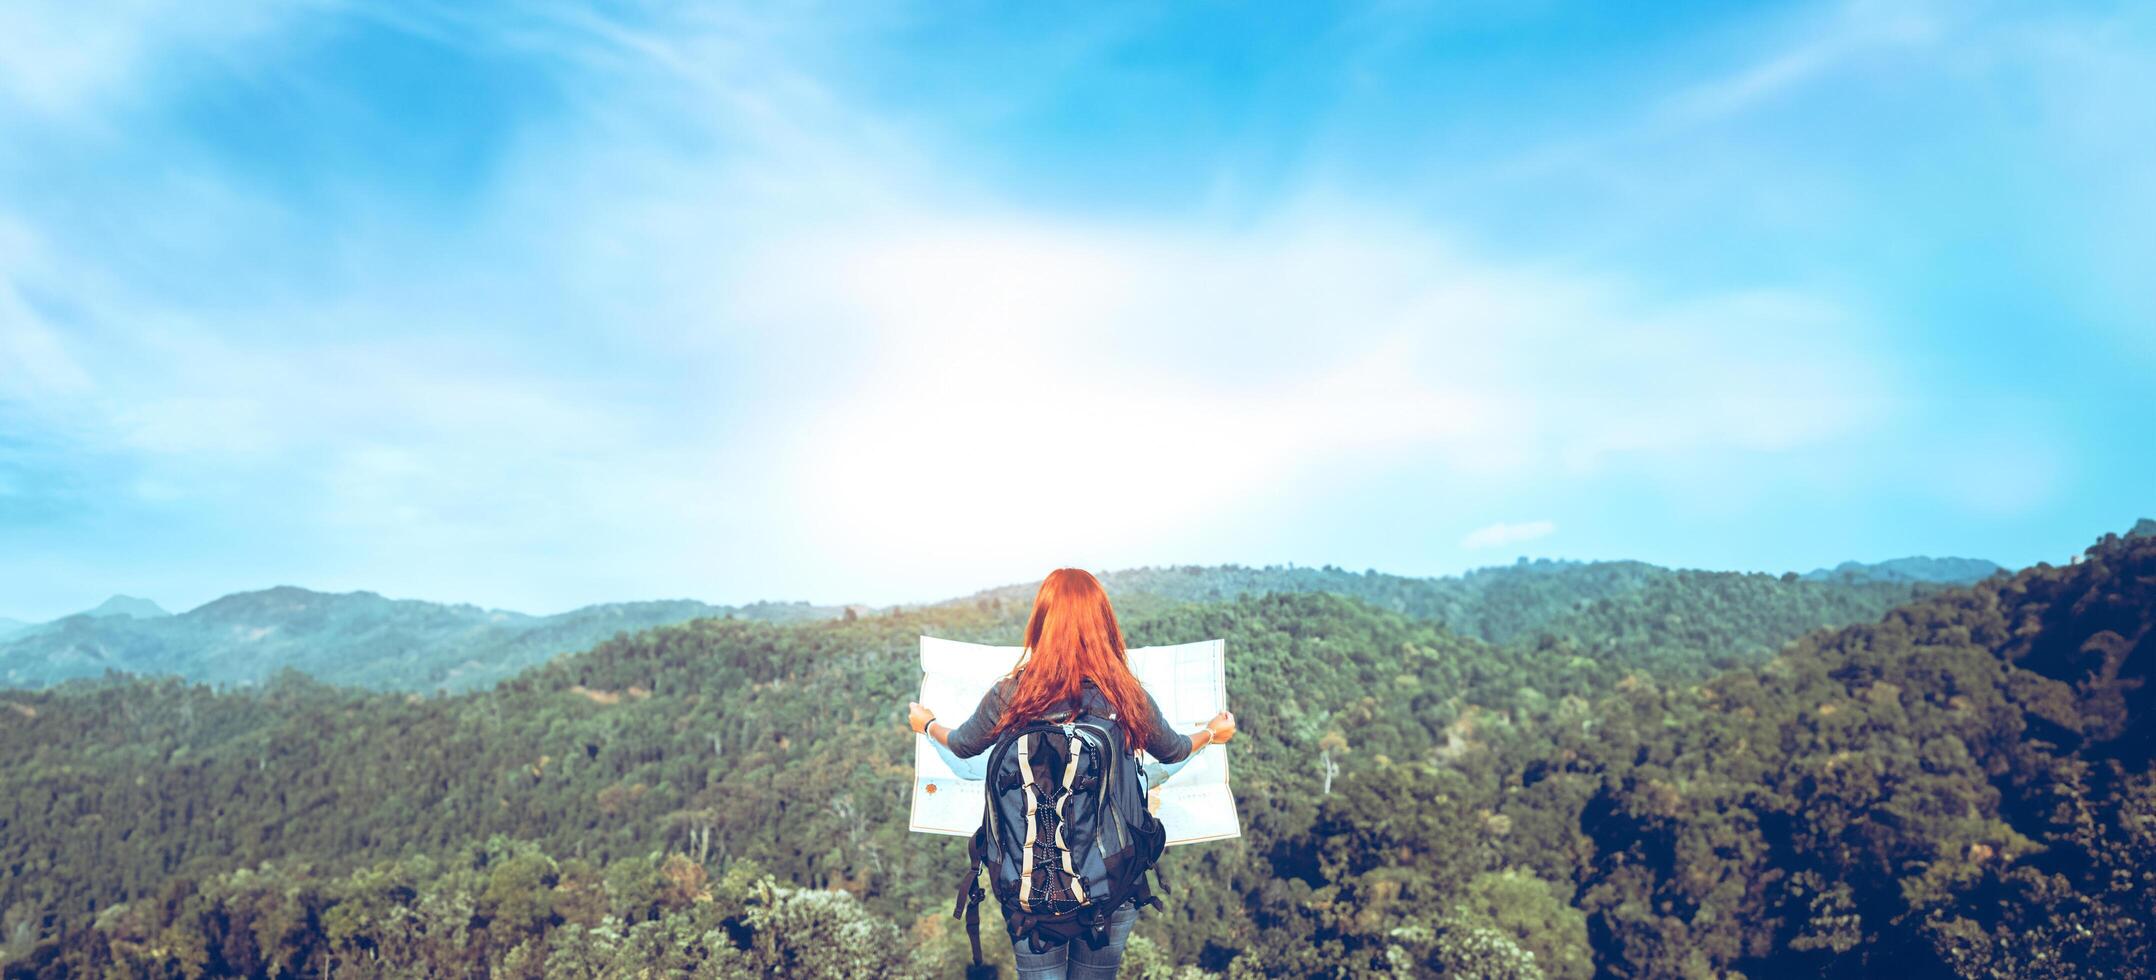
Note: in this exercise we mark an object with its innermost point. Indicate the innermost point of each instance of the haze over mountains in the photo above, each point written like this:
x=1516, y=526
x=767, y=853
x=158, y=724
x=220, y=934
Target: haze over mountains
x=120, y=606
x=1951, y=571
x=357, y=638
x=362, y=638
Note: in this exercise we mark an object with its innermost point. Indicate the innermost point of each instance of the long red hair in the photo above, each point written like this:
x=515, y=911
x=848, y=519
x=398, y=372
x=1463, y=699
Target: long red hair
x=1073, y=636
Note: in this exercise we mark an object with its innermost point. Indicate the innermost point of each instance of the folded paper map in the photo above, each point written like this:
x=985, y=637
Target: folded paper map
x=1188, y=680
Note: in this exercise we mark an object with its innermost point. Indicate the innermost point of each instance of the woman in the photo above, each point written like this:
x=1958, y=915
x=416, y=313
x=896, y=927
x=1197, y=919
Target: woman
x=1073, y=659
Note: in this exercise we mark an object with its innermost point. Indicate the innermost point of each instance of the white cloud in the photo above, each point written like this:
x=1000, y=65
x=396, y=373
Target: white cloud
x=34, y=360
x=57, y=56
x=1845, y=34
x=1040, y=382
x=1501, y=534
x=801, y=352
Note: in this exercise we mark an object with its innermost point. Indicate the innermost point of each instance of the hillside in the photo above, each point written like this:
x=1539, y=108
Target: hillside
x=356, y=638
x=124, y=606
x=1494, y=603
x=1543, y=598
x=363, y=639
x=1949, y=571
x=1691, y=624
x=1960, y=787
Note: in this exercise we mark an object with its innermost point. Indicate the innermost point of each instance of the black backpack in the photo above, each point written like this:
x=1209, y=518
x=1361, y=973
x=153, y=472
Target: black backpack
x=1065, y=834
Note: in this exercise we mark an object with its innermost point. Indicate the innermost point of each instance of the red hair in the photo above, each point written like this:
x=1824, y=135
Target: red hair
x=1073, y=636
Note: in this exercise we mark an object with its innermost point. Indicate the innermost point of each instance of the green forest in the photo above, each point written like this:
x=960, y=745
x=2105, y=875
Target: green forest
x=1556, y=770
x=355, y=638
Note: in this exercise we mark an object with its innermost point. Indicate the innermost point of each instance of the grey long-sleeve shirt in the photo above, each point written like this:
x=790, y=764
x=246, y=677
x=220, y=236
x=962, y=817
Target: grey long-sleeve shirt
x=977, y=733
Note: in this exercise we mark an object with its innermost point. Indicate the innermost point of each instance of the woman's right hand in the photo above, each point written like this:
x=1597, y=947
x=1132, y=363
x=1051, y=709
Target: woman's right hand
x=1222, y=727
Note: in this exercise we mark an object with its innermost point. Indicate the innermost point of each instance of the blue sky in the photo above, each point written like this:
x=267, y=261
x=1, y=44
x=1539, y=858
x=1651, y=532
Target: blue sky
x=538, y=305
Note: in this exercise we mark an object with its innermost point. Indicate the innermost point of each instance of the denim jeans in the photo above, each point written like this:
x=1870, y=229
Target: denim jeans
x=1083, y=962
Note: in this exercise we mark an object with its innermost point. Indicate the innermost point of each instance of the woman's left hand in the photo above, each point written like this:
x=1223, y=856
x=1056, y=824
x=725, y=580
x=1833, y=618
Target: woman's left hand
x=918, y=716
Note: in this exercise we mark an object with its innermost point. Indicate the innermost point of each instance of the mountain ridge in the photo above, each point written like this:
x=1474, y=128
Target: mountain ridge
x=129, y=606
x=1916, y=568
x=359, y=637
x=362, y=637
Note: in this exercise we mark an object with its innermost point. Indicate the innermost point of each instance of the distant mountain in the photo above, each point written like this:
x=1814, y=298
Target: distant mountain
x=1627, y=608
x=130, y=607
x=357, y=638
x=123, y=606
x=2143, y=528
x=1497, y=603
x=1683, y=620
x=1945, y=571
